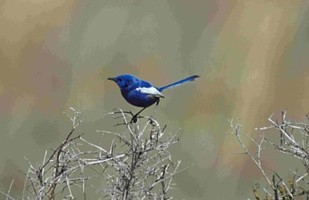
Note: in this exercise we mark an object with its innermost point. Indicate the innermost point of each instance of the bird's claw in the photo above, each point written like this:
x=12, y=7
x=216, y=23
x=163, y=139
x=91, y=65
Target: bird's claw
x=134, y=119
x=152, y=120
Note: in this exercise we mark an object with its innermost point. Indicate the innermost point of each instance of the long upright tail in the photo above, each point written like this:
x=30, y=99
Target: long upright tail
x=180, y=82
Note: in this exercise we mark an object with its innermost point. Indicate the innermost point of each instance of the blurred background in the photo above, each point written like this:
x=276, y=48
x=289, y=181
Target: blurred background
x=252, y=57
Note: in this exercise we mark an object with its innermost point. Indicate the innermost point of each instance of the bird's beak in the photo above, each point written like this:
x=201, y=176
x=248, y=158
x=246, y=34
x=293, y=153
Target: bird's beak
x=111, y=79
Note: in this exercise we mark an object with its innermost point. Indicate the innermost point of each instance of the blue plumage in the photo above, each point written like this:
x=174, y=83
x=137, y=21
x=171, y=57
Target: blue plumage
x=180, y=82
x=141, y=93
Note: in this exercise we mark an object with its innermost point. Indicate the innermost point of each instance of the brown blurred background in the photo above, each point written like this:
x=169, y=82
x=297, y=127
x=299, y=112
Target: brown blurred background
x=252, y=56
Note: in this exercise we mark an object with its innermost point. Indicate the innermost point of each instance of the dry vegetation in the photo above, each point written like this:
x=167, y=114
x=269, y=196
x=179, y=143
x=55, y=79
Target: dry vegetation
x=136, y=165
x=286, y=137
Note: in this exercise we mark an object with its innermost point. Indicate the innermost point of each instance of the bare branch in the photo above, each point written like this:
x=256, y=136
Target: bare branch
x=293, y=142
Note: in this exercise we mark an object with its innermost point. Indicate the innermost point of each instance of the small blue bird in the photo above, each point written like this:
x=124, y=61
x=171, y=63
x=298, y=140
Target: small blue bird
x=141, y=93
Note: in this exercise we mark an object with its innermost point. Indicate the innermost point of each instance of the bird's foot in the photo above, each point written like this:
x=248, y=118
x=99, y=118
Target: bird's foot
x=134, y=119
x=152, y=120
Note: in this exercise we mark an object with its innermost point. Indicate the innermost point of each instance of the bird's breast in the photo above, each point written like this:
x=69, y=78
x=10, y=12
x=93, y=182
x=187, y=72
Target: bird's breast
x=138, y=99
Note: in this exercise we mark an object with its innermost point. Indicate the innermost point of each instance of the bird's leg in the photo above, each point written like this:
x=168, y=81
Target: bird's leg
x=134, y=118
x=139, y=112
x=155, y=109
x=157, y=102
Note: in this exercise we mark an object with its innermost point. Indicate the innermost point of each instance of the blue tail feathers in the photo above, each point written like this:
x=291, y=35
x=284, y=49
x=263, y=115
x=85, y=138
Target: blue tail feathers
x=180, y=82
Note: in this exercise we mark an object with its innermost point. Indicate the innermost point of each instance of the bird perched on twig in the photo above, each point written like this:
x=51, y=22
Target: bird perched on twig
x=141, y=93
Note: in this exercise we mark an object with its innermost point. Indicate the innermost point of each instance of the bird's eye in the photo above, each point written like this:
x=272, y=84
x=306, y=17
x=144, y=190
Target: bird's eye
x=127, y=84
x=119, y=80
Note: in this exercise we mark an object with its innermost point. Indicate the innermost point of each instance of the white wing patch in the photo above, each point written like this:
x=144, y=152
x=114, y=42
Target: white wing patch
x=152, y=91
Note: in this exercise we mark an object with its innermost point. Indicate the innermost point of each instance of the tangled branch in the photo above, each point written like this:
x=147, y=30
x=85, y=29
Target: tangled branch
x=292, y=140
x=146, y=170
x=136, y=165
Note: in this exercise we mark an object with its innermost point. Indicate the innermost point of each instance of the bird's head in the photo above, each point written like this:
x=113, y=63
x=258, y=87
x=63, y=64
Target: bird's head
x=124, y=82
